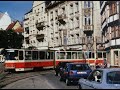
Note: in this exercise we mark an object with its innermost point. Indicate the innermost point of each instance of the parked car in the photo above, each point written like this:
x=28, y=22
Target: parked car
x=59, y=67
x=107, y=78
x=72, y=72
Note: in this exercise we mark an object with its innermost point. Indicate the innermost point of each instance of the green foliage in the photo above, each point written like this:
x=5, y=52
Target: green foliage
x=10, y=39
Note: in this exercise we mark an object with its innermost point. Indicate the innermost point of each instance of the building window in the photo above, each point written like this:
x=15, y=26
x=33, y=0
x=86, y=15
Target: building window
x=56, y=14
x=71, y=23
x=117, y=31
x=63, y=10
x=87, y=20
x=113, y=8
x=71, y=9
x=77, y=7
x=42, y=9
x=51, y=15
x=86, y=4
x=27, y=30
x=77, y=22
x=112, y=32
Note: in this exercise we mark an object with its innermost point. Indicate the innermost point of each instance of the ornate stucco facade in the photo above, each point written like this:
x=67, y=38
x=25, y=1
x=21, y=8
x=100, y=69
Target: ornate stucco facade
x=74, y=25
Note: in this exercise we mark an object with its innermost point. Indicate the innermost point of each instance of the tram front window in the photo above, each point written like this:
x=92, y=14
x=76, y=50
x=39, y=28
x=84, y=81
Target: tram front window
x=11, y=55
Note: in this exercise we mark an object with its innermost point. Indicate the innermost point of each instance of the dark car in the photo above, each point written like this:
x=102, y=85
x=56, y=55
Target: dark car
x=72, y=72
x=59, y=67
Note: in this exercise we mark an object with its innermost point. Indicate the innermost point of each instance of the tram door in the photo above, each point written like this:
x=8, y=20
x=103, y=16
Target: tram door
x=116, y=58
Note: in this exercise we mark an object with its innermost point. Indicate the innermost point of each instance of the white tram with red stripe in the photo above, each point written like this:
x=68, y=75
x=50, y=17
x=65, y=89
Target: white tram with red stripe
x=23, y=60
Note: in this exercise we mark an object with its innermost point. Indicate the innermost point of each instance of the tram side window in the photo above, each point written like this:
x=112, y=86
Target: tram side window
x=80, y=55
x=28, y=55
x=51, y=55
x=74, y=55
x=62, y=55
x=104, y=54
x=42, y=55
x=68, y=55
x=99, y=54
x=90, y=55
x=47, y=55
x=93, y=55
x=58, y=55
x=20, y=55
x=34, y=55
x=86, y=54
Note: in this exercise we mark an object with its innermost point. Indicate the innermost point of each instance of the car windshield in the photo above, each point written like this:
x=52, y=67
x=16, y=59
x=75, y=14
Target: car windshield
x=113, y=77
x=80, y=67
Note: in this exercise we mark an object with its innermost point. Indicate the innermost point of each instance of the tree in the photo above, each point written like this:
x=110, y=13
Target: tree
x=14, y=40
x=10, y=39
x=3, y=39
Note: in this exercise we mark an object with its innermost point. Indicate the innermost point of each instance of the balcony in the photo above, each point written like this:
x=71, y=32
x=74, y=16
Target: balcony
x=88, y=28
x=61, y=18
x=52, y=4
x=40, y=37
x=40, y=25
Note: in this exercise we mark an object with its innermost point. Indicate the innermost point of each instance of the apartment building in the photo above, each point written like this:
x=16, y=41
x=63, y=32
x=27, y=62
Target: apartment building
x=33, y=36
x=63, y=25
x=110, y=22
x=76, y=24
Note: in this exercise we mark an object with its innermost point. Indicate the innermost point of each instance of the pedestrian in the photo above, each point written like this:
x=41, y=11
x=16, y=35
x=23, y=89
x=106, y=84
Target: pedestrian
x=108, y=64
x=97, y=66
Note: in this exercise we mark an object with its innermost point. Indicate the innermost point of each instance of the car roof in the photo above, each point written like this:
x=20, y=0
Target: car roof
x=77, y=63
x=109, y=69
x=64, y=62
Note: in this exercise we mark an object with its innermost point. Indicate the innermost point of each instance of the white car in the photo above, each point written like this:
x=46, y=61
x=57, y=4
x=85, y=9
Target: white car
x=107, y=78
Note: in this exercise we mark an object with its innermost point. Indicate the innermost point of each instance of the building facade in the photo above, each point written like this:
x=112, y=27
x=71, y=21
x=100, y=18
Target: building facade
x=63, y=25
x=5, y=20
x=33, y=37
x=110, y=22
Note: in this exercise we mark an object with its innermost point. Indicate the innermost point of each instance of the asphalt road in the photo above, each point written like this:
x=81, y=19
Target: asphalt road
x=42, y=80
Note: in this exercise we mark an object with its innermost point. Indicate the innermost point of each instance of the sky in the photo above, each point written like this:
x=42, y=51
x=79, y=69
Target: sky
x=16, y=9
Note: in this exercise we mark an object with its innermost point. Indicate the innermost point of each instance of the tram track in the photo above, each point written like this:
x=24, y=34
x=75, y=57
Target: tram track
x=13, y=77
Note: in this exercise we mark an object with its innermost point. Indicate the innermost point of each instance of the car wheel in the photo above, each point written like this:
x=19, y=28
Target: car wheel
x=67, y=82
x=79, y=86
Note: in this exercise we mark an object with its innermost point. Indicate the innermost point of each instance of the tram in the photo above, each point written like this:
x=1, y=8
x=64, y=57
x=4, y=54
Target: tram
x=24, y=60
